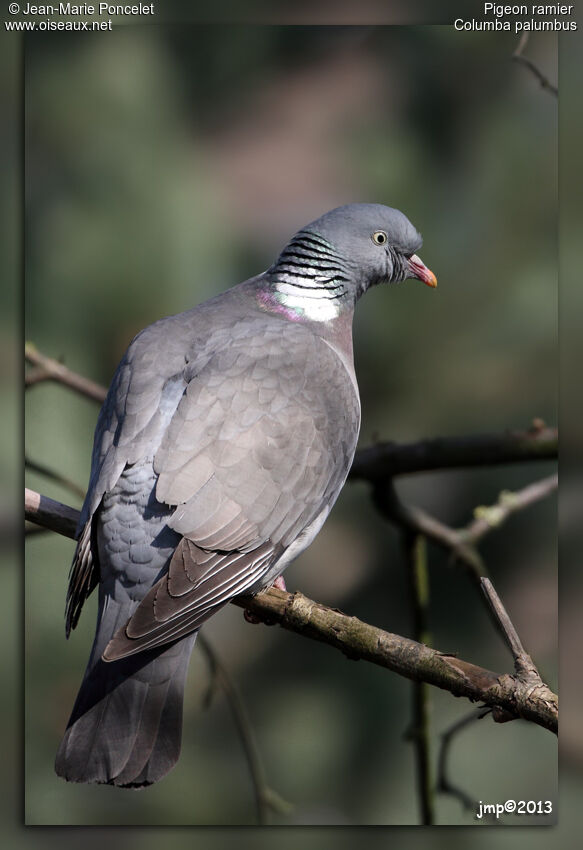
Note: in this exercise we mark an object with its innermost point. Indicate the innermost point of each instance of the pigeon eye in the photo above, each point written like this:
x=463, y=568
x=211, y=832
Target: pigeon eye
x=379, y=237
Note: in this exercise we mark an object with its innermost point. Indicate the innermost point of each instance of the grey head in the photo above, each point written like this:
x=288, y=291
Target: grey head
x=332, y=261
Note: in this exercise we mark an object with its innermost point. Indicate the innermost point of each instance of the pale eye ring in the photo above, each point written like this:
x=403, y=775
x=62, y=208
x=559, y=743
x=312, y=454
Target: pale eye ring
x=379, y=237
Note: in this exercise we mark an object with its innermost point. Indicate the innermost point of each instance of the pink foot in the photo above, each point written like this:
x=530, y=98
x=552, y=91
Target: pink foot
x=253, y=618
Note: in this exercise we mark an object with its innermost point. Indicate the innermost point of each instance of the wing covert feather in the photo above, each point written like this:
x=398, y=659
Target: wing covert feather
x=229, y=455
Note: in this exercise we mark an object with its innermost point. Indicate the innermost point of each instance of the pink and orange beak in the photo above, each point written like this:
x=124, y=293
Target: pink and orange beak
x=420, y=271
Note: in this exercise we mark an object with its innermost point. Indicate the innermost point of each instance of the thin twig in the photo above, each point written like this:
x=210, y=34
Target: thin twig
x=525, y=670
x=418, y=579
x=517, y=56
x=488, y=518
x=359, y=640
x=49, y=369
x=502, y=620
x=444, y=785
x=460, y=542
x=54, y=476
x=265, y=797
x=418, y=521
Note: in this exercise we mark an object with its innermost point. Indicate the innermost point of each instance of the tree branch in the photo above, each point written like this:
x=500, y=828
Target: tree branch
x=460, y=542
x=49, y=369
x=415, y=550
x=265, y=797
x=359, y=640
x=528, y=63
x=416, y=520
x=390, y=459
x=488, y=518
x=444, y=785
x=41, y=469
x=525, y=669
x=50, y=514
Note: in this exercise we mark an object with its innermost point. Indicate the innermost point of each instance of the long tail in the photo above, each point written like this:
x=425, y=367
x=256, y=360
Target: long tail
x=126, y=725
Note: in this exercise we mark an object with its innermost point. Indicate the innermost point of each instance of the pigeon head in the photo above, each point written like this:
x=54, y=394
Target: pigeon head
x=333, y=260
x=379, y=241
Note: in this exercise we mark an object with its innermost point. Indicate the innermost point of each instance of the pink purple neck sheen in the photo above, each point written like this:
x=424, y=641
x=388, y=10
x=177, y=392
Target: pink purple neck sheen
x=269, y=300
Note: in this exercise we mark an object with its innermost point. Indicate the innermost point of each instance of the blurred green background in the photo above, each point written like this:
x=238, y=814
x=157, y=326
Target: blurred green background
x=165, y=163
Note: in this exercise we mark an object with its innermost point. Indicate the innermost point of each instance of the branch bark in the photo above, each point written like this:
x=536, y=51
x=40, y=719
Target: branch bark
x=389, y=459
x=50, y=514
x=359, y=640
x=49, y=369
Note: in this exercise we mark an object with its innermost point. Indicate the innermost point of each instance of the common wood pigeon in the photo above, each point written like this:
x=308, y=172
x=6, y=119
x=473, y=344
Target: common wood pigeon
x=223, y=443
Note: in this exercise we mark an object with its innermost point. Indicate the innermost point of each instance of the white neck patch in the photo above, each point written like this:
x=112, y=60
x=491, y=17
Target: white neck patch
x=313, y=303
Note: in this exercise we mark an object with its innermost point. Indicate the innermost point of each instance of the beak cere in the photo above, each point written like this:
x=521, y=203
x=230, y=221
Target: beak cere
x=421, y=272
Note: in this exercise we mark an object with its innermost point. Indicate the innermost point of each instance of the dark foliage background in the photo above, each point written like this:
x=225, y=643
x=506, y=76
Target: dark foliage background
x=166, y=163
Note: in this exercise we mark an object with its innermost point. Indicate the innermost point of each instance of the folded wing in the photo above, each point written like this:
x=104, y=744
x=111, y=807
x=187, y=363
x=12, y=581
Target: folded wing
x=256, y=450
